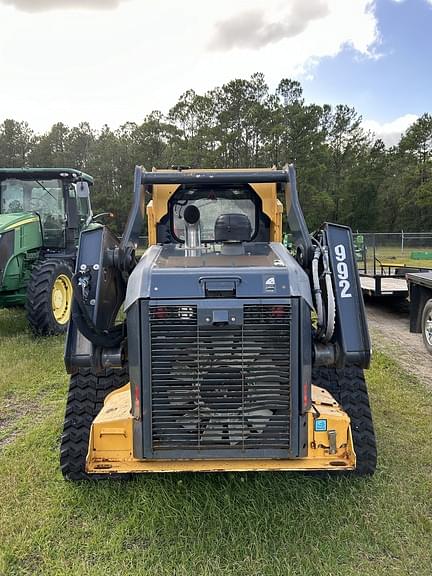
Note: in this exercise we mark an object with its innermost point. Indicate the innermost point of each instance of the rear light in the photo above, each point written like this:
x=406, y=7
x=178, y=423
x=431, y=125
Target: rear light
x=161, y=313
x=137, y=401
x=306, y=396
x=278, y=312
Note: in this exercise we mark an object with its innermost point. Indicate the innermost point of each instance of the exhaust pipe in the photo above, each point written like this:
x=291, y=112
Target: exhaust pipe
x=192, y=230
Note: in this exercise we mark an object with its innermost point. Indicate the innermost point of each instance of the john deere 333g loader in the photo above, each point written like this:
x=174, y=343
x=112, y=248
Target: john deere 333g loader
x=234, y=354
x=42, y=211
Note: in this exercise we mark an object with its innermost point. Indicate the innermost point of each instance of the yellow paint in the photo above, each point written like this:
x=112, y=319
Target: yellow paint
x=21, y=223
x=151, y=224
x=111, y=443
x=157, y=208
x=61, y=299
x=272, y=207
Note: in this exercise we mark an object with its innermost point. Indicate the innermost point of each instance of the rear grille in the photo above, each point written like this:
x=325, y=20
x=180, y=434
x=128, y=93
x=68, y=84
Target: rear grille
x=220, y=387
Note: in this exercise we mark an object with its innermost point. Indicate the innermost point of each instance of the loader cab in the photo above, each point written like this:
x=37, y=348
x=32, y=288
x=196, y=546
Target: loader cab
x=212, y=202
x=256, y=202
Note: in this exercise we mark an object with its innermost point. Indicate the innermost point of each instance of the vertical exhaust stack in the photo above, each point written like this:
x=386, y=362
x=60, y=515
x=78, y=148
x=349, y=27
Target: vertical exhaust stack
x=192, y=230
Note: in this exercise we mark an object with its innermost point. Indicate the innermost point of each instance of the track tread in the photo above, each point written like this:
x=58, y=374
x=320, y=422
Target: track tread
x=349, y=389
x=87, y=392
x=38, y=301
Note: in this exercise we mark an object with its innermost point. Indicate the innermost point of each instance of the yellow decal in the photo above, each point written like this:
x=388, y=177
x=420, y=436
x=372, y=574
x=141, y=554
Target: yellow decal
x=21, y=223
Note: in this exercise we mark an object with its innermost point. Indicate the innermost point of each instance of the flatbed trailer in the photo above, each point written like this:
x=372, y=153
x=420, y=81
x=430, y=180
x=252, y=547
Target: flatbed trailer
x=384, y=260
x=384, y=285
x=388, y=279
x=420, y=296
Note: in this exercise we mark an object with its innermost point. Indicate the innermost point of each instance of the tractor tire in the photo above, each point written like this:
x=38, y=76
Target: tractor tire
x=87, y=392
x=348, y=387
x=426, y=324
x=49, y=297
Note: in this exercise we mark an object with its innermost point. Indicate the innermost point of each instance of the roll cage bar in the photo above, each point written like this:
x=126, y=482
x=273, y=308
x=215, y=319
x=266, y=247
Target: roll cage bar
x=143, y=180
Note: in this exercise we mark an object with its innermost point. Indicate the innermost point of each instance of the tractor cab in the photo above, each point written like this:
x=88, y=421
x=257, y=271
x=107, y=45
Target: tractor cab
x=60, y=199
x=42, y=212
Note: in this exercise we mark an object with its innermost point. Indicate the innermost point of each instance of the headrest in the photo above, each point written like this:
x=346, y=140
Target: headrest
x=232, y=228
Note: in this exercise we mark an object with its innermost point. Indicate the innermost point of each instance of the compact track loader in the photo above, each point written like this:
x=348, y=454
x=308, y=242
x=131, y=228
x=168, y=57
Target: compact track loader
x=234, y=354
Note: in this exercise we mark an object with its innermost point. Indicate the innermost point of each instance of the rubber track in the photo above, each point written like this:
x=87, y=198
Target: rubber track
x=349, y=389
x=38, y=301
x=87, y=393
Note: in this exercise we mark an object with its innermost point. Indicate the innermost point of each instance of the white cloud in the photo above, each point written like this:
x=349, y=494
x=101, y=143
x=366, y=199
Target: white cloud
x=42, y=5
x=112, y=66
x=257, y=28
x=390, y=132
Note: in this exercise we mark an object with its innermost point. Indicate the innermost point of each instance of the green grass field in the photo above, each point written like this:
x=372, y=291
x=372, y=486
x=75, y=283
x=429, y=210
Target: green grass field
x=221, y=524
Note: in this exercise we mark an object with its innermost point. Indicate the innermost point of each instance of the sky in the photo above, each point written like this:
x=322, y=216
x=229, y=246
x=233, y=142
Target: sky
x=112, y=61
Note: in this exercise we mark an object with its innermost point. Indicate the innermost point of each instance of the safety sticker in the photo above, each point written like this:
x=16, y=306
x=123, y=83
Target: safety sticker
x=320, y=425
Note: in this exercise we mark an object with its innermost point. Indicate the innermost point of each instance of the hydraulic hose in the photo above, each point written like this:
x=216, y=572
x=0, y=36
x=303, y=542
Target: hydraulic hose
x=317, y=290
x=331, y=306
x=110, y=338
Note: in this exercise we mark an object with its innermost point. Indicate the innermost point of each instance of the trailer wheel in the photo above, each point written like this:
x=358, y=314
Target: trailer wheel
x=49, y=297
x=348, y=387
x=427, y=325
x=87, y=392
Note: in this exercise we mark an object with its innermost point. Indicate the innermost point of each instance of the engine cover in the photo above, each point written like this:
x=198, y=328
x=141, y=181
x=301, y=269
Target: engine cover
x=263, y=270
x=222, y=366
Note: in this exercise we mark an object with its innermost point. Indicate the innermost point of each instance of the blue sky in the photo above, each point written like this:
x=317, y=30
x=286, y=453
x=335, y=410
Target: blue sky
x=112, y=61
x=398, y=81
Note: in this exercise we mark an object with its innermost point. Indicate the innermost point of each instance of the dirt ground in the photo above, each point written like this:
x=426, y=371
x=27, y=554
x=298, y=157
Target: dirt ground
x=389, y=327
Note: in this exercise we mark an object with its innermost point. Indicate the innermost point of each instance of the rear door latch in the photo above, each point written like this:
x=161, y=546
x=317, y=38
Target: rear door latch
x=220, y=287
x=332, y=441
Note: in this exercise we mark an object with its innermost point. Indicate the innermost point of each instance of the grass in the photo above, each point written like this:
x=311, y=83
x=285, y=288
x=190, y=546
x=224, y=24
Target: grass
x=393, y=256
x=32, y=378
x=199, y=524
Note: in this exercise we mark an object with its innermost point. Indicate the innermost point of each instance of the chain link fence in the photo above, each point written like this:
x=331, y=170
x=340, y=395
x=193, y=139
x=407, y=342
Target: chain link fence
x=393, y=254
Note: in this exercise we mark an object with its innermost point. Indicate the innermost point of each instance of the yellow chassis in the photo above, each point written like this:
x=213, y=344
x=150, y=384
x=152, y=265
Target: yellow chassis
x=111, y=443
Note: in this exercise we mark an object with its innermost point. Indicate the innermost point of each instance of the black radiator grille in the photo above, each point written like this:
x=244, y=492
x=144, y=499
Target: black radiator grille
x=220, y=387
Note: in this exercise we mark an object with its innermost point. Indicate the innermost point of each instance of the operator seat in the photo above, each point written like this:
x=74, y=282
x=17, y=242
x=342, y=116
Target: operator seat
x=232, y=228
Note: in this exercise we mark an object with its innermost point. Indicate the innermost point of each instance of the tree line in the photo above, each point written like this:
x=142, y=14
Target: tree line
x=345, y=174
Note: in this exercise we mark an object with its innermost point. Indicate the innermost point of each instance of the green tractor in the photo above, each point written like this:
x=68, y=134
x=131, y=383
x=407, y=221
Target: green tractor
x=42, y=212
